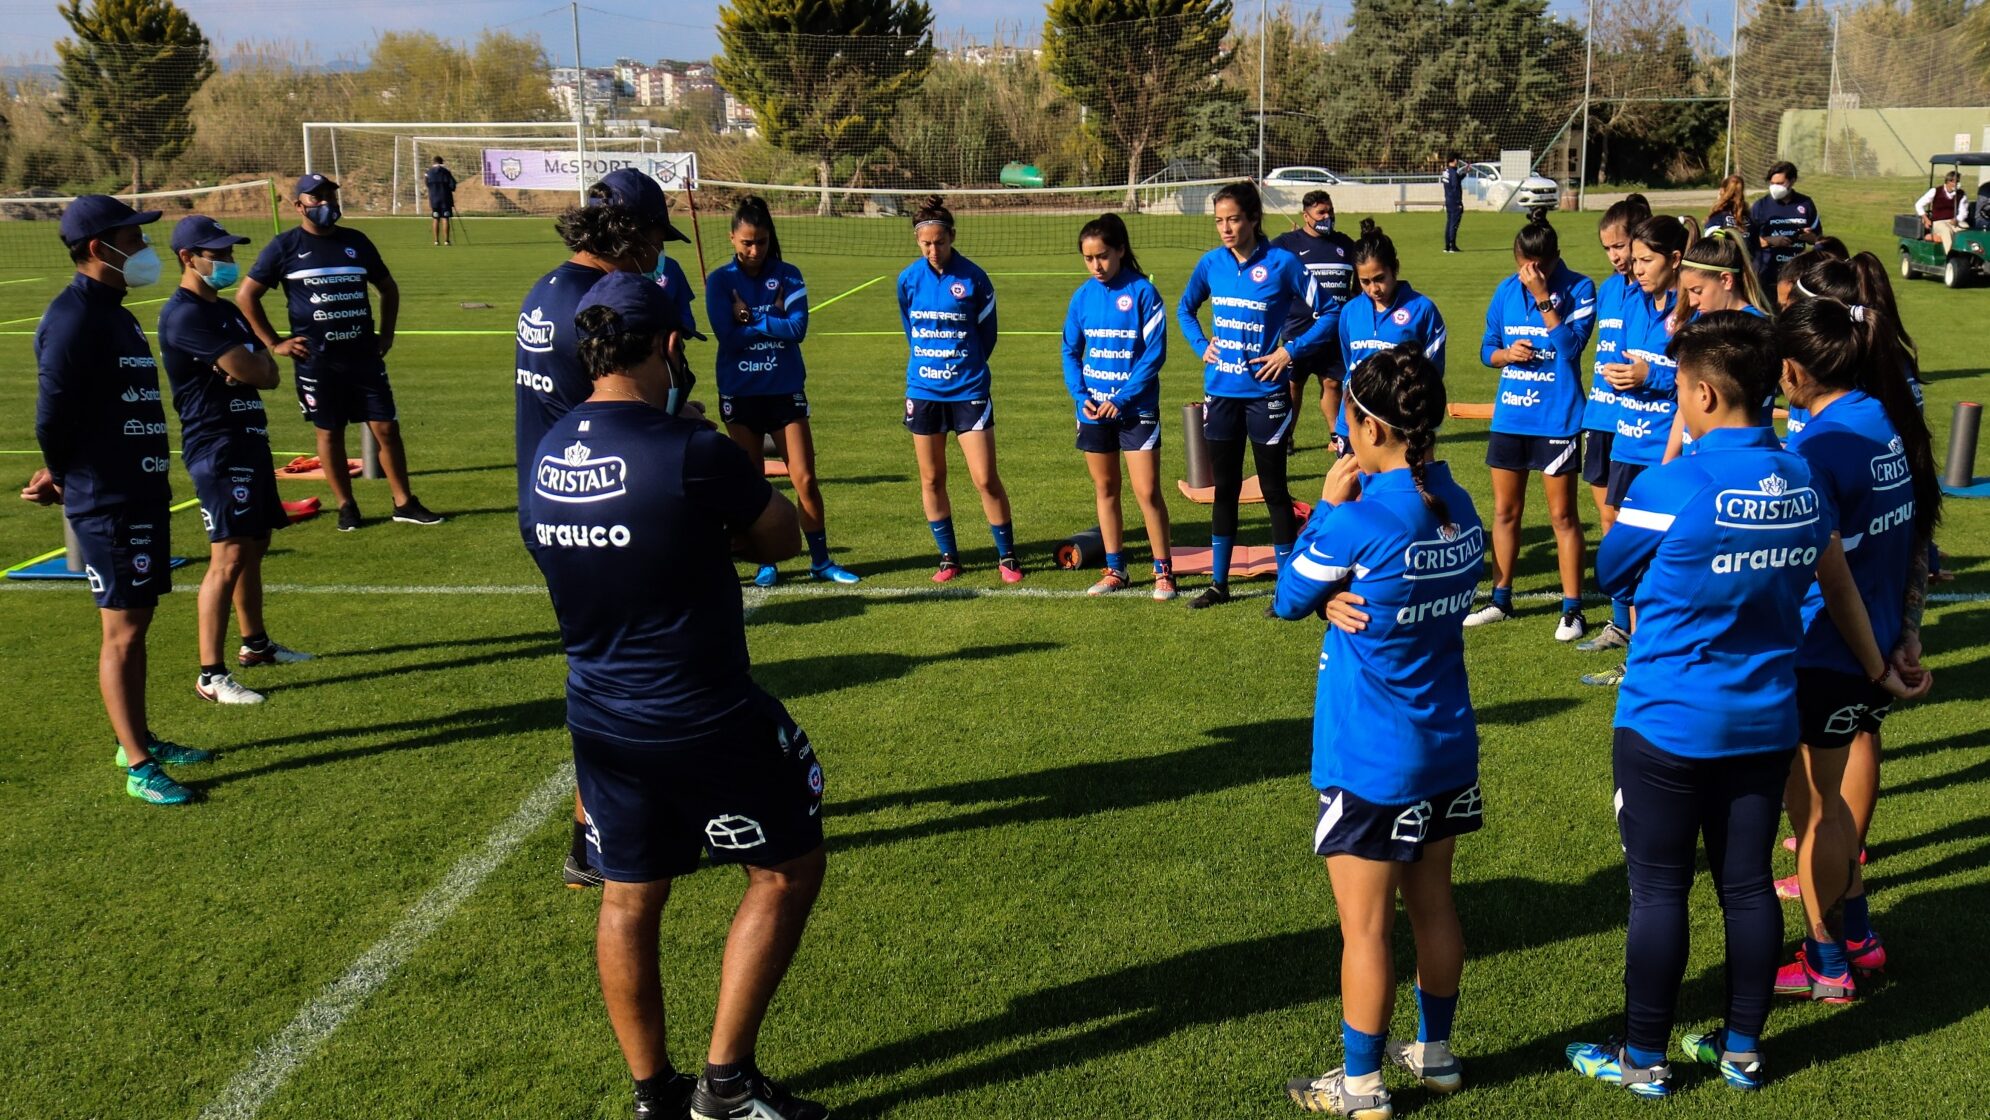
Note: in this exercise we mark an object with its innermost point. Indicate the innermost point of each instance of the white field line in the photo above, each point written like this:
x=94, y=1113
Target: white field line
x=292, y=1046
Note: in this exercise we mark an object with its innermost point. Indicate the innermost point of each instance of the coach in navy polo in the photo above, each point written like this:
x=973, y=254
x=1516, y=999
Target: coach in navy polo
x=102, y=429
x=341, y=369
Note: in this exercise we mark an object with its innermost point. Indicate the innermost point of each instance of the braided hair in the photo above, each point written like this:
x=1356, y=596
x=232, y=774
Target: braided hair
x=605, y=347
x=1403, y=391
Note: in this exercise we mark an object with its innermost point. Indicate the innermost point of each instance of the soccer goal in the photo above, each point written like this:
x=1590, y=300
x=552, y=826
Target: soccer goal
x=30, y=244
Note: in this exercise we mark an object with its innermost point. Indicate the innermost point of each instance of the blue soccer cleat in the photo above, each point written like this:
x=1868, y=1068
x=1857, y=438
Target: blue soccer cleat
x=767, y=576
x=1741, y=1070
x=1606, y=1062
x=149, y=783
x=835, y=573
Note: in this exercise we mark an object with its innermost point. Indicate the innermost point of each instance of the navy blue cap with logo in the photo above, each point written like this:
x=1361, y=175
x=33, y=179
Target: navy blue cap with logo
x=94, y=215
x=314, y=185
x=198, y=231
x=641, y=305
x=631, y=189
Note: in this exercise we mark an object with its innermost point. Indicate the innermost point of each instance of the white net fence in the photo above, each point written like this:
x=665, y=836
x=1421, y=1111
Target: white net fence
x=29, y=226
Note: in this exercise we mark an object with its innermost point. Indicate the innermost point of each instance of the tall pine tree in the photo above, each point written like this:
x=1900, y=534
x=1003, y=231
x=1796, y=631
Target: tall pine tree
x=127, y=78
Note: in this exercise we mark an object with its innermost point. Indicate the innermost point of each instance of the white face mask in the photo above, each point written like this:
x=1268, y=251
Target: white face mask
x=141, y=269
x=1779, y=191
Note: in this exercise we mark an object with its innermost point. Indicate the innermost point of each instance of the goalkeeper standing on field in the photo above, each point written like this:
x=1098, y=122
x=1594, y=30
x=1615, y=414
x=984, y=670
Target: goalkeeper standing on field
x=441, y=184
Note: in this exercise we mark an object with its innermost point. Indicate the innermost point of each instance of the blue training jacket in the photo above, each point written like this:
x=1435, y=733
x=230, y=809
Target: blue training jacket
x=763, y=357
x=1250, y=301
x=1365, y=329
x=1542, y=397
x=1115, y=340
x=950, y=324
x=1644, y=414
x=1392, y=716
x=1861, y=469
x=1599, y=413
x=1716, y=548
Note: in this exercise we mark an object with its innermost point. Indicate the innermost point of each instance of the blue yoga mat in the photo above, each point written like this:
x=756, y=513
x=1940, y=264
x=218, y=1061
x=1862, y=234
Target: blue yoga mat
x=58, y=568
x=1977, y=489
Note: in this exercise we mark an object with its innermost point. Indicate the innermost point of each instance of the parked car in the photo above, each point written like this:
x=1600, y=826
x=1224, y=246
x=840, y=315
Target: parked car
x=1534, y=192
x=1304, y=177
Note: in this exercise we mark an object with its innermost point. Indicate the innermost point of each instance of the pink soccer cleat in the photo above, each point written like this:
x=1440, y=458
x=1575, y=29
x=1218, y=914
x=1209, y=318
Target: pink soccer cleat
x=949, y=570
x=1799, y=980
x=1789, y=890
x=1867, y=956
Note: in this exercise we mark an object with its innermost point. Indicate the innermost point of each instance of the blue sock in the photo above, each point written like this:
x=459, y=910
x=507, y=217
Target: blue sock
x=1571, y=606
x=1363, y=1051
x=1163, y=567
x=1739, y=1043
x=1827, y=958
x=943, y=536
x=1283, y=552
x=1502, y=597
x=1620, y=614
x=1219, y=559
x=1116, y=561
x=1644, y=1058
x=1858, y=919
x=1005, y=539
x=1433, y=1016
x=818, y=548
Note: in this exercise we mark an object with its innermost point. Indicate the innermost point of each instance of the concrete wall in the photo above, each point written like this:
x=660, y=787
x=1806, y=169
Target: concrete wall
x=1877, y=141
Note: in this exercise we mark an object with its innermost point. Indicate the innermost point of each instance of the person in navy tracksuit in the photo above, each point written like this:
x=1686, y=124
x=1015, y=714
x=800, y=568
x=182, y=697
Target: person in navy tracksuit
x=1537, y=326
x=1115, y=341
x=758, y=306
x=1717, y=548
x=1869, y=448
x=947, y=305
x=1783, y=222
x=1453, y=182
x=1328, y=255
x=1251, y=286
x=1396, y=535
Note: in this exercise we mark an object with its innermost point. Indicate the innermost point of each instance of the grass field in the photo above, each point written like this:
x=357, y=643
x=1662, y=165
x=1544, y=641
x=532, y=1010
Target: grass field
x=1069, y=876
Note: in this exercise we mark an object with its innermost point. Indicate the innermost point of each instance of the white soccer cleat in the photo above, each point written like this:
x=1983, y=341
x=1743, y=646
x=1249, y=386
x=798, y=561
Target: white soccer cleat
x=1571, y=627
x=1487, y=615
x=225, y=689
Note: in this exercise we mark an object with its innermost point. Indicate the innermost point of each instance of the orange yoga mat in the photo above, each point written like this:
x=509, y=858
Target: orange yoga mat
x=308, y=467
x=1203, y=495
x=773, y=468
x=1246, y=561
x=1470, y=410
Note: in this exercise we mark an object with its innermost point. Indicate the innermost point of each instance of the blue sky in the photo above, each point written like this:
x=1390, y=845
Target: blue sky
x=674, y=29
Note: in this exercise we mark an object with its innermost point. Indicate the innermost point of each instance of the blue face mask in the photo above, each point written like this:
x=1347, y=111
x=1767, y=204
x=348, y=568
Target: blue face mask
x=1324, y=227
x=222, y=275
x=324, y=214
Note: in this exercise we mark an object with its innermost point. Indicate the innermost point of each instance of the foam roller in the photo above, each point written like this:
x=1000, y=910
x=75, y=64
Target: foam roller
x=1960, y=471
x=1083, y=550
x=1194, y=449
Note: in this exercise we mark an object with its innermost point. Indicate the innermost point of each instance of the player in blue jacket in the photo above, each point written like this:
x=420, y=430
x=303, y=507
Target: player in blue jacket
x=216, y=365
x=1396, y=533
x=1387, y=311
x=947, y=305
x=1642, y=377
x=758, y=306
x=1328, y=255
x=1783, y=222
x=1599, y=412
x=1537, y=327
x=1718, y=548
x=1251, y=286
x=1115, y=340
x=1869, y=449
x=1715, y=274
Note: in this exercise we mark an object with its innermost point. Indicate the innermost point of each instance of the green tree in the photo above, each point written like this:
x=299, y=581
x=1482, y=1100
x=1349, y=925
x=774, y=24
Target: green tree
x=824, y=77
x=419, y=76
x=1139, y=66
x=127, y=78
x=1643, y=54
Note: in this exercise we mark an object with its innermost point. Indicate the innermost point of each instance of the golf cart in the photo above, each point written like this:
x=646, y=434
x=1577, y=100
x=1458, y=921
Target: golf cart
x=1969, y=255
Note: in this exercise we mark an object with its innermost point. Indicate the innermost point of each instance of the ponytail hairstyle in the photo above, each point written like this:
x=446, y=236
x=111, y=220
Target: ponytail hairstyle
x=1245, y=194
x=1858, y=282
x=1374, y=245
x=752, y=211
x=605, y=347
x=1111, y=229
x=1537, y=241
x=1876, y=291
x=1400, y=389
x=933, y=211
x=1732, y=201
x=1847, y=346
x=1627, y=212
x=1720, y=251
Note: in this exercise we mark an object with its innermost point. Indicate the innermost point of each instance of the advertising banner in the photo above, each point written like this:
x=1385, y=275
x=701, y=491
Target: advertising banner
x=531, y=169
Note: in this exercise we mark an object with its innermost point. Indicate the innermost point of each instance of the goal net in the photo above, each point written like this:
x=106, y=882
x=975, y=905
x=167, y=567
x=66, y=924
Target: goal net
x=31, y=244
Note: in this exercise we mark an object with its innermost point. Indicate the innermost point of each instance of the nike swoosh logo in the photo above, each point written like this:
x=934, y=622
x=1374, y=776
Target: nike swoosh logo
x=814, y=809
x=301, y=256
x=243, y=512
x=141, y=582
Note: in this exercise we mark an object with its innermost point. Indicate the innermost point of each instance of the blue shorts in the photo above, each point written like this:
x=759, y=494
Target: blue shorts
x=1134, y=429
x=1551, y=456
x=1833, y=707
x=333, y=396
x=1596, y=456
x=749, y=791
x=126, y=551
x=441, y=209
x=764, y=415
x=1349, y=825
x=1264, y=420
x=937, y=418
x=1622, y=474
x=237, y=499
x=1325, y=364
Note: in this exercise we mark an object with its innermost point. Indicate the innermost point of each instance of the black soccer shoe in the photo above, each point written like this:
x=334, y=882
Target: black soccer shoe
x=759, y=1099
x=674, y=1103
x=579, y=876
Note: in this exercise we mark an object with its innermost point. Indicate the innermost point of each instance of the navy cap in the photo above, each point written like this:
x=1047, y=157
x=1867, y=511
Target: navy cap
x=94, y=215
x=643, y=307
x=198, y=231
x=311, y=184
x=632, y=190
